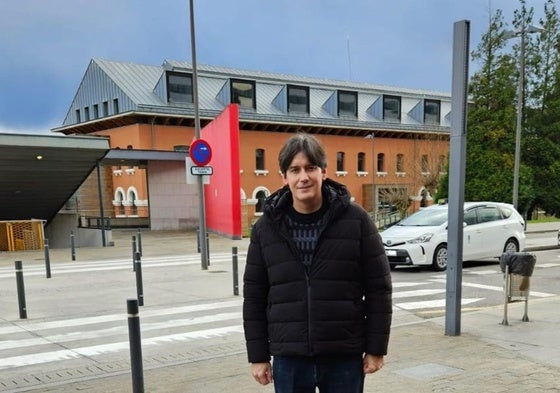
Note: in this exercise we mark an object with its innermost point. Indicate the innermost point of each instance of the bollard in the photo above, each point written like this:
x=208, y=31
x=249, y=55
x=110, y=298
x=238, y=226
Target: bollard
x=135, y=346
x=133, y=253
x=139, y=237
x=72, y=246
x=47, y=259
x=20, y=290
x=139, y=286
x=235, y=273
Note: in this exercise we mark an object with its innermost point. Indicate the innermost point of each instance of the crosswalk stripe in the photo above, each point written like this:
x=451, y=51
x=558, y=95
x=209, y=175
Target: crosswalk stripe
x=95, y=350
x=432, y=303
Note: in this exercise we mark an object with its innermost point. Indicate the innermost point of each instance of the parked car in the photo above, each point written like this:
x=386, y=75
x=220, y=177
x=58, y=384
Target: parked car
x=489, y=230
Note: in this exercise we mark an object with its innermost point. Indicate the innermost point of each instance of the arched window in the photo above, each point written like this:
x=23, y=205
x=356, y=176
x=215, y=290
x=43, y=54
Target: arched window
x=361, y=162
x=132, y=202
x=340, y=161
x=381, y=162
x=261, y=196
x=400, y=162
x=259, y=159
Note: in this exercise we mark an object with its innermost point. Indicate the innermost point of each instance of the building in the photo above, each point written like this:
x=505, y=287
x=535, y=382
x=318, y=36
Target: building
x=377, y=138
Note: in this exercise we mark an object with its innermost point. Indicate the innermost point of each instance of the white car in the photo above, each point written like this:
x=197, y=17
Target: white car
x=489, y=229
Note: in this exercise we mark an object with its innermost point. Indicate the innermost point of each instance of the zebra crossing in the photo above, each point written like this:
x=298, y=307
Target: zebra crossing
x=186, y=332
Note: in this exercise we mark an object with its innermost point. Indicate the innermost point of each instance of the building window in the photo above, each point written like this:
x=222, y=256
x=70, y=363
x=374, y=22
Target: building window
x=425, y=166
x=347, y=103
x=86, y=113
x=381, y=162
x=400, y=162
x=115, y=106
x=243, y=93
x=340, y=161
x=432, y=111
x=105, y=108
x=259, y=159
x=179, y=88
x=361, y=162
x=96, y=111
x=441, y=164
x=78, y=118
x=391, y=108
x=298, y=99
x=261, y=196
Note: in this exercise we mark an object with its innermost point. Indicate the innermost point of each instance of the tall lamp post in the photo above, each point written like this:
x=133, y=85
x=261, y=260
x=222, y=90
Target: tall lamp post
x=520, y=98
x=372, y=137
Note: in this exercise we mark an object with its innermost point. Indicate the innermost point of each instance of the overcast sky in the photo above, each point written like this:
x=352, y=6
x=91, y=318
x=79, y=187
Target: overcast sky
x=46, y=45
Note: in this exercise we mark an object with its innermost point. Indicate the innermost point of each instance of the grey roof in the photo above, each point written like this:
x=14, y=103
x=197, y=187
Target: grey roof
x=135, y=87
x=32, y=188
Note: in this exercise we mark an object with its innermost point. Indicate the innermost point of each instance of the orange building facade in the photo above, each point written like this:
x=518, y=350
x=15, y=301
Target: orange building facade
x=376, y=138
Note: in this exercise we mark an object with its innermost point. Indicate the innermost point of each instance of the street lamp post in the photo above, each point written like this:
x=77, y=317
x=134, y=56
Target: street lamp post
x=520, y=98
x=372, y=137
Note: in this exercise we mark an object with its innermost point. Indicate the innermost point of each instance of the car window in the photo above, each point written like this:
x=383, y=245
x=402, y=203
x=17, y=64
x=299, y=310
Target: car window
x=470, y=217
x=489, y=213
x=426, y=217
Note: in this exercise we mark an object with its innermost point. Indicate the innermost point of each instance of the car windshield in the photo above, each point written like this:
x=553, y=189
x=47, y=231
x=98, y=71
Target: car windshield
x=426, y=218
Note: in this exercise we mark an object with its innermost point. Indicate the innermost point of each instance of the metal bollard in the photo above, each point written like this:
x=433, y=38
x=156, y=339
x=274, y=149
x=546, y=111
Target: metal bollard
x=139, y=285
x=235, y=273
x=20, y=290
x=133, y=253
x=135, y=343
x=72, y=246
x=139, y=237
x=47, y=259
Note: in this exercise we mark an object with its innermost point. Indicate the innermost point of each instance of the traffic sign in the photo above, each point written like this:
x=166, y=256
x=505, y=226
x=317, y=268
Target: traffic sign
x=200, y=152
x=201, y=170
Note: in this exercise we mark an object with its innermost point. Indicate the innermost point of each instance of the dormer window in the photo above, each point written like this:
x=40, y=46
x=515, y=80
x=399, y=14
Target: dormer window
x=243, y=93
x=179, y=88
x=391, y=108
x=347, y=104
x=432, y=112
x=298, y=99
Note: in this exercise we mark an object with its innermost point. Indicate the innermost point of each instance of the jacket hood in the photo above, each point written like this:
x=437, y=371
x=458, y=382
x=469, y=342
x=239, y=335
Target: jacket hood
x=334, y=193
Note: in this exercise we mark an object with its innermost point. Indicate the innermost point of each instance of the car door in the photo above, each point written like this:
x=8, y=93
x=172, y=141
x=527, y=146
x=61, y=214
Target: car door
x=472, y=235
x=492, y=230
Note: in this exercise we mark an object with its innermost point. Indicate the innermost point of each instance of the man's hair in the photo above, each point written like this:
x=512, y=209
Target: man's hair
x=302, y=143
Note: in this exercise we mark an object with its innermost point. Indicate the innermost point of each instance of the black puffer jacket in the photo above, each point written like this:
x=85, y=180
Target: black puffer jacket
x=340, y=305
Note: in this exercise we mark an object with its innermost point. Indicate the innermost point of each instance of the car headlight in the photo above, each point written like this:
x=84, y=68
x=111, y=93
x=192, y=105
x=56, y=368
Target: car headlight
x=421, y=239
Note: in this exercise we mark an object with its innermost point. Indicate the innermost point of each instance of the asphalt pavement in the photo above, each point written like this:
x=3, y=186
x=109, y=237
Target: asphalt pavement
x=485, y=355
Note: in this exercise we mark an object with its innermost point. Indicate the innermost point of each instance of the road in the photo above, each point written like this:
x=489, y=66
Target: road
x=77, y=324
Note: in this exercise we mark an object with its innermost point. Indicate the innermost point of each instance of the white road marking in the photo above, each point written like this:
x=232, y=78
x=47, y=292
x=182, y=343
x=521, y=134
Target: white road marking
x=439, y=303
x=419, y=292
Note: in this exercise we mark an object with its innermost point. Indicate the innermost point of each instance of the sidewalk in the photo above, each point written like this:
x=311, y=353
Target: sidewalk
x=486, y=356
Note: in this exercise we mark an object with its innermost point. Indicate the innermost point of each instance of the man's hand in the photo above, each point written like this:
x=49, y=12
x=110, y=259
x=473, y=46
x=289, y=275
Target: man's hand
x=262, y=372
x=372, y=363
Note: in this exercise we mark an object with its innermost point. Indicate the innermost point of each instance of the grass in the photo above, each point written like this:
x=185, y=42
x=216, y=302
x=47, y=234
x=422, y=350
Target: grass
x=543, y=218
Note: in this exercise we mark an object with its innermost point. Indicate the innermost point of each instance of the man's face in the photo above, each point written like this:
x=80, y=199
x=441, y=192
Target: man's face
x=304, y=181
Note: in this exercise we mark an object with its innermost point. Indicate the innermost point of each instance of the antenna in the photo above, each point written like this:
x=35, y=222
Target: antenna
x=349, y=60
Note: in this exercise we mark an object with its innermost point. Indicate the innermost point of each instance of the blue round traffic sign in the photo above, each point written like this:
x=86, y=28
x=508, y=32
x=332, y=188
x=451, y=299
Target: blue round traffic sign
x=200, y=152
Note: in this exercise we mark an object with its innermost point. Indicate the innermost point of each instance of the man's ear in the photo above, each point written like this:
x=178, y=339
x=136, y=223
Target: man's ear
x=324, y=170
x=284, y=179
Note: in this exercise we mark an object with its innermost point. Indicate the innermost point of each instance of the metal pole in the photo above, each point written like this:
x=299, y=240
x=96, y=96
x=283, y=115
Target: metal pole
x=200, y=183
x=135, y=346
x=235, y=271
x=457, y=155
x=100, y=194
x=139, y=285
x=139, y=237
x=520, y=94
x=72, y=246
x=47, y=258
x=20, y=290
x=134, y=253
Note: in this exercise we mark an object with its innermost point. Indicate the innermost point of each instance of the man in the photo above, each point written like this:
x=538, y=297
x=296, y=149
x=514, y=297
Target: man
x=317, y=284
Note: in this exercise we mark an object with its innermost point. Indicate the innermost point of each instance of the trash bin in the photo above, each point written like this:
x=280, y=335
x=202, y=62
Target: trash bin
x=518, y=269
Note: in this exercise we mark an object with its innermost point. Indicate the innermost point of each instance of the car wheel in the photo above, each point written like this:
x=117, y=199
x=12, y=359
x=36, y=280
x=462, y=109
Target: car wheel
x=511, y=246
x=440, y=258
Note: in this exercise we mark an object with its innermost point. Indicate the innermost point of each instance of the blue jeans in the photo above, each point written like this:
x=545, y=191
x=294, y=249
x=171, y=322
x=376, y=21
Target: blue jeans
x=336, y=374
